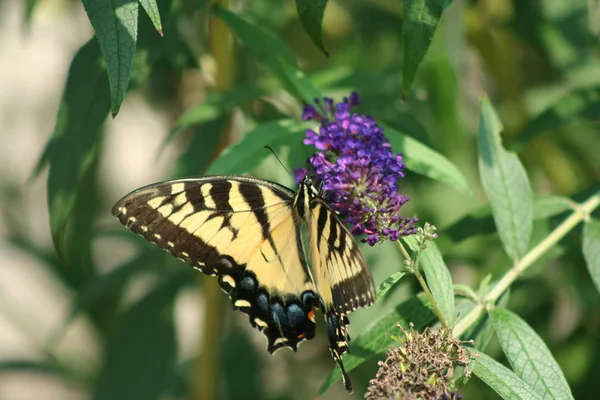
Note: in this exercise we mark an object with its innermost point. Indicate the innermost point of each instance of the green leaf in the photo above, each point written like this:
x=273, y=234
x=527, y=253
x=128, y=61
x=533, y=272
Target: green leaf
x=425, y=161
x=506, y=185
x=242, y=157
x=215, y=105
x=421, y=19
x=242, y=365
x=202, y=148
x=549, y=206
x=529, y=356
x=311, y=16
x=438, y=279
x=480, y=221
x=583, y=103
x=116, y=25
x=295, y=80
x=465, y=290
x=30, y=6
x=273, y=52
x=111, y=284
x=141, y=351
x=29, y=366
x=482, y=331
x=504, y=382
x=151, y=9
x=477, y=222
x=388, y=283
x=72, y=148
x=377, y=337
x=591, y=249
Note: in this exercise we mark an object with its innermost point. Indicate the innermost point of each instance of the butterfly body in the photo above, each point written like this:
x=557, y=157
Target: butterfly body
x=247, y=233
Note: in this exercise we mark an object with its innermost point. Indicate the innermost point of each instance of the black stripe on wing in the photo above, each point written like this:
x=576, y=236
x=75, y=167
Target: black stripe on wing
x=349, y=277
x=286, y=320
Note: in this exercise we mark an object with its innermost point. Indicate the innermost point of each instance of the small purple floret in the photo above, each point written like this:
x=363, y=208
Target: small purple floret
x=358, y=170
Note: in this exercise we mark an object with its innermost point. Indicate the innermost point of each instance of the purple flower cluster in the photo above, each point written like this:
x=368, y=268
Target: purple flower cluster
x=358, y=171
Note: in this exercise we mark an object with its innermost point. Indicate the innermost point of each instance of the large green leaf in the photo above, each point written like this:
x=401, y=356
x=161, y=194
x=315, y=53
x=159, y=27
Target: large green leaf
x=425, y=161
x=141, y=352
x=273, y=52
x=311, y=16
x=247, y=154
x=421, y=19
x=377, y=337
x=506, y=185
x=116, y=25
x=591, y=249
x=505, y=382
x=72, y=148
x=438, y=279
x=529, y=356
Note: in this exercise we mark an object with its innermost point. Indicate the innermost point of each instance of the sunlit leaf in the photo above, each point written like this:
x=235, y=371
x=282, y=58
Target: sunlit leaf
x=529, y=356
x=438, y=279
x=247, y=154
x=506, y=185
x=591, y=249
x=151, y=9
x=425, y=161
x=549, y=206
x=387, y=284
x=504, y=382
x=116, y=25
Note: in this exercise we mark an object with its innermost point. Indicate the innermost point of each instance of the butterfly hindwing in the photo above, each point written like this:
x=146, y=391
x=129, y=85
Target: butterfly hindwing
x=343, y=280
x=243, y=231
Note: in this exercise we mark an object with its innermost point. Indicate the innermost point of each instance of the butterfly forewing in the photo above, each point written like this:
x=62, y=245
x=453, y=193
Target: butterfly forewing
x=243, y=231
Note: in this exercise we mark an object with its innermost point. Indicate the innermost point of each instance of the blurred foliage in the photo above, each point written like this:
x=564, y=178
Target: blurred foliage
x=233, y=77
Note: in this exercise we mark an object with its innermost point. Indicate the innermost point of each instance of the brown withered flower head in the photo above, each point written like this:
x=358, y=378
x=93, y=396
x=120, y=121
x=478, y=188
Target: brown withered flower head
x=422, y=368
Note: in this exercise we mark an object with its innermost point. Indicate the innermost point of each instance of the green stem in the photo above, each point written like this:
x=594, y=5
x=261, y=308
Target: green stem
x=208, y=366
x=416, y=271
x=581, y=213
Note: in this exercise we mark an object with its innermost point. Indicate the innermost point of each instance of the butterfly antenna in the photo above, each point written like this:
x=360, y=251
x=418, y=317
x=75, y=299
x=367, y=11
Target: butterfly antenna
x=278, y=159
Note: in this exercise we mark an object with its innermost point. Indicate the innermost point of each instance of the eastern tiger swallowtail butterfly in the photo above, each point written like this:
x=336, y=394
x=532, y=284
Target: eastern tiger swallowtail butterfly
x=247, y=233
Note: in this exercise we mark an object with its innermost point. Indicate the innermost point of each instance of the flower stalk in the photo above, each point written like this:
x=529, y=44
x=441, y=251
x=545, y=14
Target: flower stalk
x=581, y=213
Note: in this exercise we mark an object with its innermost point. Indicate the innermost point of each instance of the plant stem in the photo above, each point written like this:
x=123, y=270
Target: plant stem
x=581, y=213
x=208, y=366
x=416, y=271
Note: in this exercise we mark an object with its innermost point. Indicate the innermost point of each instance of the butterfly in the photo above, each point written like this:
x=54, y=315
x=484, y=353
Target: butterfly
x=248, y=232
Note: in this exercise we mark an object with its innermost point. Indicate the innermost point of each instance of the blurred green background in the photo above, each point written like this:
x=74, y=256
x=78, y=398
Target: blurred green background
x=121, y=320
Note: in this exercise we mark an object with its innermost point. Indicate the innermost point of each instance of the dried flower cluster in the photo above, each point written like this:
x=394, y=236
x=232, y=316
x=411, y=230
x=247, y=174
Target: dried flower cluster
x=422, y=368
x=358, y=171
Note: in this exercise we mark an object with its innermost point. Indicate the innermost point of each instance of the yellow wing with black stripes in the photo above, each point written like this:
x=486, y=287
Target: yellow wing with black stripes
x=241, y=230
x=246, y=232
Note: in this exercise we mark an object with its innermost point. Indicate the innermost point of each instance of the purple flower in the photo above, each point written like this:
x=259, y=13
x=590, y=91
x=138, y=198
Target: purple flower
x=358, y=170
